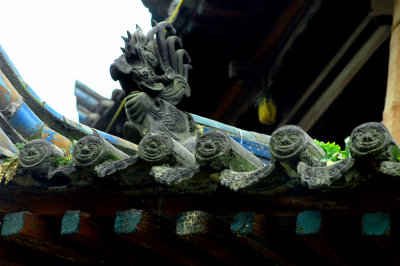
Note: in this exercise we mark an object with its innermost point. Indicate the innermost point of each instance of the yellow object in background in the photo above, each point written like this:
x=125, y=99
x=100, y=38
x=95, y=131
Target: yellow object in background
x=267, y=111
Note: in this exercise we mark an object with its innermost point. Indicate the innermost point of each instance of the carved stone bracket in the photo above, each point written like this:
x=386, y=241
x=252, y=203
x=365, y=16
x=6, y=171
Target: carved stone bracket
x=219, y=151
x=373, y=142
x=160, y=148
x=290, y=144
x=174, y=163
x=173, y=175
x=93, y=150
x=322, y=177
x=39, y=156
x=239, y=180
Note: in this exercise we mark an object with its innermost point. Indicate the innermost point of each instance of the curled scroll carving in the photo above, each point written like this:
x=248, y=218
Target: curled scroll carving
x=369, y=139
x=173, y=175
x=321, y=177
x=92, y=150
x=153, y=71
x=239, y=180
x=38, y=151
x=390, y=168
x=290, y=144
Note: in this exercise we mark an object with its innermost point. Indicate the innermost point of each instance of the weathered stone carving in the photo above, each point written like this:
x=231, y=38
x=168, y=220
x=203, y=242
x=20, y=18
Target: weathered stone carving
x=156, y=148
x=322, y=177
x=153, y=71
x=371, y=140
x=39, y=156
x=390, y=168
x=108, y=168
x=160, y=148
x=175, y=162
x=218, y=150
x=92, y=150
x=290, y=144
x=173, y=175
x=239, y=180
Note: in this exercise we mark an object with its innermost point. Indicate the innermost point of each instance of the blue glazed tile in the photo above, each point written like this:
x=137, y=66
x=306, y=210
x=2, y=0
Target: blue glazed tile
x=86, y=98
x=376, y=224
x=127, y=222
x=25, y=122
x=70, y=222
x=12, y=223
x=308, y=223
x=243, y=223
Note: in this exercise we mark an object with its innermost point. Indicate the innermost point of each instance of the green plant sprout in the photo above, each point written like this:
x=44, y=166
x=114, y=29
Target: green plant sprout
x=333, y=152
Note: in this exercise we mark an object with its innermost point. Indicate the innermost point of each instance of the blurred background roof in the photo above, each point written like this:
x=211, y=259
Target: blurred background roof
x=323, y=64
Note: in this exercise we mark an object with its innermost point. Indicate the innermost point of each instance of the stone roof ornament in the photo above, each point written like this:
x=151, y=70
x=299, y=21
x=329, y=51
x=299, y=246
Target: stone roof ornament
x=172, y=149
x=153, y=71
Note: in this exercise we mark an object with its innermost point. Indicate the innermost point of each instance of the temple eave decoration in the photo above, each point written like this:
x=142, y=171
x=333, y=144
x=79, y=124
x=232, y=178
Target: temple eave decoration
x=178, y=188
x=165, y=147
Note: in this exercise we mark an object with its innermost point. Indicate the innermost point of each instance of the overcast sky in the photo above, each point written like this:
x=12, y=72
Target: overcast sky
x=53, y=43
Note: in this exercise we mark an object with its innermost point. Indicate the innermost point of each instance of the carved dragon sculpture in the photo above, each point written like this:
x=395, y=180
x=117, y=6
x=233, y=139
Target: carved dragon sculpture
x=153, y=71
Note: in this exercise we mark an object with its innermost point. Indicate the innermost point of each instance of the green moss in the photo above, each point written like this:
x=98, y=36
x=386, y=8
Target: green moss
x=19, y=145
x=395, y=152
x=62, y=161
x=108, y=156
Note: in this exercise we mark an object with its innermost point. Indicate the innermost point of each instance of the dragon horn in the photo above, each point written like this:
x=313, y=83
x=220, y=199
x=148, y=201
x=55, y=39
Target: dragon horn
x=126, y=40
x=125, y=51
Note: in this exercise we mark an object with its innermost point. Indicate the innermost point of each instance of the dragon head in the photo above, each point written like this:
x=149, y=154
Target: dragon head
x=153, y=63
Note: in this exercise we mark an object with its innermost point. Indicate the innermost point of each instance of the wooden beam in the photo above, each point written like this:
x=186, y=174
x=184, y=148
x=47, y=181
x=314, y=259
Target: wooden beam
x=194, y=227
x=36, y=232
x=311, y=229
x=153, y=233
x=212, y=235
x=237, y=89
x=51, y=202
x=344, y=77
x=88, y=230
x=230, y=95
x=15, y=254
x=210, y=11
x=310, y=90
x=391, y=113
x=251, y=230
x=378, y=232
x=283, y=23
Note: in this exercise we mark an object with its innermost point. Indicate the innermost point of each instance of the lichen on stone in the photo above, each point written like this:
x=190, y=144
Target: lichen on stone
x=8, y=169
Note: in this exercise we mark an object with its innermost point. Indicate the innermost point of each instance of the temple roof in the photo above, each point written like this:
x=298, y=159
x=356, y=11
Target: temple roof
x=173, y=187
